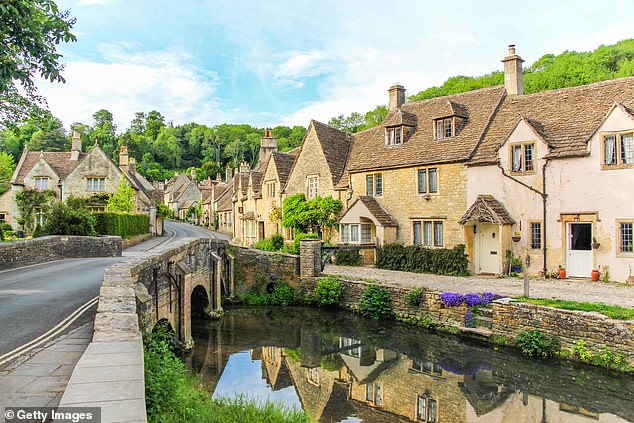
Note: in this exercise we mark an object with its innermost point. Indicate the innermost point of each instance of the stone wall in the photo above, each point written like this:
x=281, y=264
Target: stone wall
x=508, y=318
x=255, y=269
x=49, y=248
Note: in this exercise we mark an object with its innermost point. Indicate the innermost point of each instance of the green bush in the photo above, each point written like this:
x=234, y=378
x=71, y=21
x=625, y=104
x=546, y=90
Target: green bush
x=37, y=232
x=328, y=291
x=375, y=303
x=415, y=296
x=416, y=258
x=283, y=295
x=534, y=343
x=294, y=247
x=5, y=227
x=65, y=220
x=274, y=243
x=348, y=258
x=125, y=225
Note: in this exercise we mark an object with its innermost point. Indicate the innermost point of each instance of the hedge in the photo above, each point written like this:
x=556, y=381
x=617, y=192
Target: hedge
x=124, y=225
x=416, y=258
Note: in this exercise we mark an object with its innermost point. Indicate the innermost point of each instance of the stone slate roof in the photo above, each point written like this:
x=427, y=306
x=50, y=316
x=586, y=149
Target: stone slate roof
x=399, y=117
x=59, y=161
x=256, y=181
x=377, y=211
x=244, y=182
x=283, y=164
x=565, y=118
x=335, y=144
x=368, y=150
x=225, y=203
x=487, y=209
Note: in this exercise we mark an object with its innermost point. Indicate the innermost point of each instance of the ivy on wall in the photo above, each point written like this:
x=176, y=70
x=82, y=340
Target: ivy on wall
x=28, y=201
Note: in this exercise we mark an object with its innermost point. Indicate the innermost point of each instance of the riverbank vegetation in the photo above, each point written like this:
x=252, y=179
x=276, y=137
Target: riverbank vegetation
x=172, y=395
x=613, y=312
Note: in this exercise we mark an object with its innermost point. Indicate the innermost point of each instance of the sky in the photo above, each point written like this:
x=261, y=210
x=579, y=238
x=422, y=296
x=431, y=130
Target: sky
x=284, y=62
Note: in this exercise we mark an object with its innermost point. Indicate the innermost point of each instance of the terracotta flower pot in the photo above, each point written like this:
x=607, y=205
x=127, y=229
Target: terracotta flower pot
x=595, y=275
x=562, y=273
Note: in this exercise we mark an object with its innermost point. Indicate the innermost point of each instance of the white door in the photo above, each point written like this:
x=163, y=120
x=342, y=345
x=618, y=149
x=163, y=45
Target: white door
x=489, y=242
x=579, y=255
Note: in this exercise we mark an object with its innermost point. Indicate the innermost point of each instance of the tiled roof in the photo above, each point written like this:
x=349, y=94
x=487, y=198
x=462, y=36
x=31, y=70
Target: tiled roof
x=566, y=118
x=369, y=151
x=377, y=211
x=487, y=209
x=59, y=161
x=399, y=117
x=283, y=164
x=256, y=181
x=335, y=145
x=225, y=203
x=244, y=182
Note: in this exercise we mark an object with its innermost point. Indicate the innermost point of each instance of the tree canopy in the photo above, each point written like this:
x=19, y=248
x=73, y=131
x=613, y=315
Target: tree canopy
x=310, y=216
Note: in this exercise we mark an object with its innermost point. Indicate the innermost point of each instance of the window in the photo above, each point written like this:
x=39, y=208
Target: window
x=250, y=228
x=41, y=183
x=523, y=157
x=430, y=366
x=313, y=376
x=394, y=136
x=3, y=217
x=536, y=235
x=355, y=233
x=312, y=187
x=95, y=184
x=427, y=409
x=40, y=217
x=444, y=128
x=428, y=233
x=374, y=185
x=350, y=346
x=427, y=181
x=618, y=149
x=270, y=189
x=625, y=237
x=374, y=393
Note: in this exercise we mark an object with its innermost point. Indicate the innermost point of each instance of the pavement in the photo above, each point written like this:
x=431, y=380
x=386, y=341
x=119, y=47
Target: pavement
x=610, y=293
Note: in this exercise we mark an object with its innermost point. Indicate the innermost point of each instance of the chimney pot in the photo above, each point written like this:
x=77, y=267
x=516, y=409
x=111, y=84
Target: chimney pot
x=511, y=49
x=513, y=79
x=397, y=96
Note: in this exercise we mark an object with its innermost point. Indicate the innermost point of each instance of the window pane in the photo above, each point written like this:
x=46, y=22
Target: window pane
x=536, y=235
x=433, y=180
x=517, y=158
x=378, y=394
x=422, y=181
x=448, y=128
x=345, y=233
x=369, y=392
x=88, y=184
x=354, y=233
x=102, y=184
x=528, y=157
x=440, y=132
x=379, y=184
x=626, y=237
x=610, y=151
x=438, y=234
x=366, y=233
x=418, y=233
x=428, y=234
x=627, y=148
x=369, y=185
x=432, y=410
x=397, y=135
x=422, y=409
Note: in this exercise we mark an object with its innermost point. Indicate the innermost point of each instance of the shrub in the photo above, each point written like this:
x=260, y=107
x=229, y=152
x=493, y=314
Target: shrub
x=375, y=303
x=348, y=258
x=37, y=232
x=534, y=343
x=330, y=363
x=5, y=227
x=65, y=220
x=416, y=258
x=283, y=295
x=274, y=243
x=125, y=225
x=580, y=351
x=328, y=291
x=294, y=247
x=415, y=296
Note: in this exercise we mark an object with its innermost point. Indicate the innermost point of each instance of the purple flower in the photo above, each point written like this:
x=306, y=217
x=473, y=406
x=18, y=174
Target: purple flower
x=472, y=299
x=470, y=319
x=487, y=297
x=452, y=299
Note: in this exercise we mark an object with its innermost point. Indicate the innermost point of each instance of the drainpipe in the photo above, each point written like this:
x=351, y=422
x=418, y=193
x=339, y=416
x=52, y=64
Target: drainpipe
x=544, y=197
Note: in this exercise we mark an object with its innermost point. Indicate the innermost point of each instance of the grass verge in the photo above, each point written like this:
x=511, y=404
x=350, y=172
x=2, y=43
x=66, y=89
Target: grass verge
x=614, y=312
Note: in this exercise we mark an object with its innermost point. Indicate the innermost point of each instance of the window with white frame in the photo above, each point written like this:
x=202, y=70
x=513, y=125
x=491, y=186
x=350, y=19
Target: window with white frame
x=350, y=346
x=312, y=187
x=536, y=235
x=523, y=157
x=250, y=228
x=41, y=182
x=3, y=217
x=374, y=393
x=95, y=184
x=374, y=185
x=626, y=240
x=618, y=149
x=394, y=136
x=444, y=128
x=355, y=233
x=427, y=409
x=270, y=189
x=428, y=180
x=428, y=233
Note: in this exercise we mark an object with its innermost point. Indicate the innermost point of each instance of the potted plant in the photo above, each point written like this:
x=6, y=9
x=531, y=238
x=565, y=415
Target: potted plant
x=562, y=272
x=516, y=236
x=595, y=243
x=595, y=275
x=517, y=264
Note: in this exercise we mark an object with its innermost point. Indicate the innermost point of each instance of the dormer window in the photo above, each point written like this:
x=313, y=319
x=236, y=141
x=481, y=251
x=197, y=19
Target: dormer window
x=394, y=136
x=445, y=128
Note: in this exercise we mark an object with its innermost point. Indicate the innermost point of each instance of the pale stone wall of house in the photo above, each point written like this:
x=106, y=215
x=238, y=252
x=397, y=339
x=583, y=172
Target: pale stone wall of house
x=401, y=200
x=9, y=208
x=267, y=204
x=42, y=169
x=95, y=165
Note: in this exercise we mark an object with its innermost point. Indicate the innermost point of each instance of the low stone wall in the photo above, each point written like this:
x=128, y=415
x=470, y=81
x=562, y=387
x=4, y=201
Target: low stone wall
x=135, y=240
x=255, y=269
x=49, y=248
x=508, y=318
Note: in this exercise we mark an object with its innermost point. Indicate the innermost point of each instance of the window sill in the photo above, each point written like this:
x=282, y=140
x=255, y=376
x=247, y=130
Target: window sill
x=521, y=173
x=617, y=166
x=625, y=255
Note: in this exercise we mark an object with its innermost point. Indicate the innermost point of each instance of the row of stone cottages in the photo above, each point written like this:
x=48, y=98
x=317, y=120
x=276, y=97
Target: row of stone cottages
x=546, y=175
x=78, y=174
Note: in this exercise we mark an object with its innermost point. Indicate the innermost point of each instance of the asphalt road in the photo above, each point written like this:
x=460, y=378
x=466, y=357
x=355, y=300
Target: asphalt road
x=34, y=299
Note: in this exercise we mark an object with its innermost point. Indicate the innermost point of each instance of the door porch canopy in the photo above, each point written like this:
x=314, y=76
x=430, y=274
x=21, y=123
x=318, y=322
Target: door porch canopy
x=487, y=209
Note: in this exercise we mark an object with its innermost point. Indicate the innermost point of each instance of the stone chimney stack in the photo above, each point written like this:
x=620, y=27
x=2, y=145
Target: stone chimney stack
x=132, y=165
x=75, y=146
x=244, y=167
x=268, y=146
x=513, y=79
x=228, y=173
x=192, y=172
x=397, y=96
x=124, y=160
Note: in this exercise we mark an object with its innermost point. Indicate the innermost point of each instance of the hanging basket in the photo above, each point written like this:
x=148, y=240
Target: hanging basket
x=516, y=238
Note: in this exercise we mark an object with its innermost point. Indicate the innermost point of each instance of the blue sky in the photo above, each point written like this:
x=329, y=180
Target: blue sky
x=286, y=62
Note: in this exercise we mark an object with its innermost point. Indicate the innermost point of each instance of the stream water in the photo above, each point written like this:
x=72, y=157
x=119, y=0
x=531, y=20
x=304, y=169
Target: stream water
x=341, y=368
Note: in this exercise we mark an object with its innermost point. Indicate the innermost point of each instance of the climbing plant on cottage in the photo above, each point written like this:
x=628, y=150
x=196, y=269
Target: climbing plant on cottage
x=314, y=215
x=31, y=201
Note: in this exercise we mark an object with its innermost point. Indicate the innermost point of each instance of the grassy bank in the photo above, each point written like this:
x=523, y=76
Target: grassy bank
x=172, y=395
x=614, y=312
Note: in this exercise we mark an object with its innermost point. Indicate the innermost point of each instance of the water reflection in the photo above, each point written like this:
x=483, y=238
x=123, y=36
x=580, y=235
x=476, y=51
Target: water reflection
x=344, y=369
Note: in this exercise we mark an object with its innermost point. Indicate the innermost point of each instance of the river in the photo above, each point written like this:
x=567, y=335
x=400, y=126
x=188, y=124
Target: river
x=342, y=368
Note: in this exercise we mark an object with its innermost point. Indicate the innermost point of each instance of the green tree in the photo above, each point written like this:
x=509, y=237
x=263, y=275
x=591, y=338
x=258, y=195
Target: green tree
x=104, y=131
x=122, y=200
x=62, y=219
x=314, y=215
x=29, y=34
x=7, y=166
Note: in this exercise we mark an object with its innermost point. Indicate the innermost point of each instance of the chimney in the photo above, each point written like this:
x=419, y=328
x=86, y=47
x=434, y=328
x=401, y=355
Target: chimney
x=268, y=146
x=124, y=161
x=75, y=146
x=228, y=173
x=244, y=167
x=192, y=172
x=132, y=165
x=397, y=96
x=513, y=80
